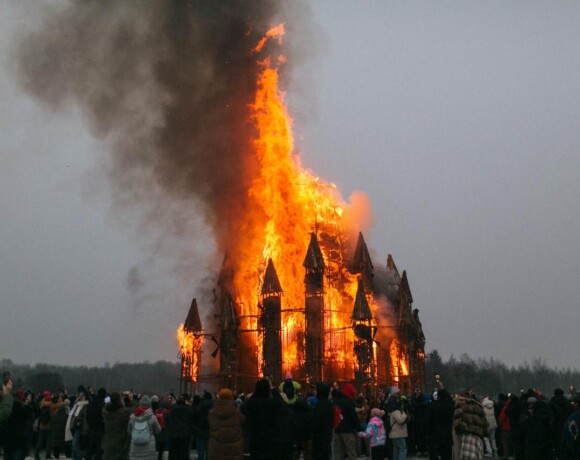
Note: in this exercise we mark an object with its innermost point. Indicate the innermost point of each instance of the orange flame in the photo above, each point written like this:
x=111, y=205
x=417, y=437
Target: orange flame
x=189, y=348
x=292, y=202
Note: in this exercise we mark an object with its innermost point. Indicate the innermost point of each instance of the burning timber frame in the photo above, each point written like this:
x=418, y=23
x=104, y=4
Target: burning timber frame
x=387, y=346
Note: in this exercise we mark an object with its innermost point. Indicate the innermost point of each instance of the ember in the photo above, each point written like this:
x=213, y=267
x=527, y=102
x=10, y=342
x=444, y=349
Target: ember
x=294, y=299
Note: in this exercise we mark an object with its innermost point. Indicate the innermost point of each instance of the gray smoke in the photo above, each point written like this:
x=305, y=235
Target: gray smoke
x=167, y=85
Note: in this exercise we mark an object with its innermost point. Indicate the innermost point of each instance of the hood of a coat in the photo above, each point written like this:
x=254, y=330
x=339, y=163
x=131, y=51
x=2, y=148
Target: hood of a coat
x=224, y=408
x=140, y=414
x=487, y=403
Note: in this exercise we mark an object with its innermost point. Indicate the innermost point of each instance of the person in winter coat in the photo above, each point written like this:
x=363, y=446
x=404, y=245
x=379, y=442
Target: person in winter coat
x=375, y=432
x=322, y=419
x=96, y=425
x=76, y=426
x=116, y=419
x=301, y=429
x=417, y=440
x=180, y=430
x=504, y=424
x=162, y=439
x=439, y=426
x=45, y=411
x=398, y=432
x=269, y=425
x=6, y=398
x=361, y=406
x=58, y=427
x=489, y=440
x=534, y=427
x=226, y=441
x=345, y=433
x=15, y=429
x=560, y=410
x=470, y=426
x=571, y=435
x=143, y=426
x=201, y=420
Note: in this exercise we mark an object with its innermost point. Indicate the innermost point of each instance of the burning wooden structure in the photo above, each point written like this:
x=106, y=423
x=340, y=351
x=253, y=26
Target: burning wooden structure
x=370, y=347
x=293, y=294
x=190, y=336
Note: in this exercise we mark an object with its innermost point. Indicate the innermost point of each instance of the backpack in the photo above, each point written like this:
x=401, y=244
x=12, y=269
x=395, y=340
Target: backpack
x=337, y=416
x=288, y=389
x=160, y=414
x=44, y=416
x=140, y=434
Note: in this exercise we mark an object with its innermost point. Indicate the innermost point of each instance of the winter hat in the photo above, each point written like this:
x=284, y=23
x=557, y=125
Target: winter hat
x=226, y=393
x=145, y=402
x=46, y=395
x=394, y=391
x=376, y=412
x=82, y=390
x=154, y=398
x=288, y=376
x=349, y=391
x=532, y=400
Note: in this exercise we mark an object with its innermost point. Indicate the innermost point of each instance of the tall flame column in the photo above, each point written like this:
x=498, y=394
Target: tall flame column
x=314, y=309
x=271, y=320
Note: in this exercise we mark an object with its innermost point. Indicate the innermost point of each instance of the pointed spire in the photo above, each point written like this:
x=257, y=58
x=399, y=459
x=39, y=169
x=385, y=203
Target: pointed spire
x=314, y=258
x=230, y=319
x=361, y=310
x=405, y=300
x=271, y=282
x=404, y=289
x=362, y=259
x=192, y=322
x=227, y=271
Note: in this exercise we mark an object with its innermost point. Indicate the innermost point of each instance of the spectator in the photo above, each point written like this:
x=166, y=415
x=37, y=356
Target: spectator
x=143, y=426
x=225, y=428
x=116, y=419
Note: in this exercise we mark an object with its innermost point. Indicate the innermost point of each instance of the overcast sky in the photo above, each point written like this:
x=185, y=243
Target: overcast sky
x=460, y=121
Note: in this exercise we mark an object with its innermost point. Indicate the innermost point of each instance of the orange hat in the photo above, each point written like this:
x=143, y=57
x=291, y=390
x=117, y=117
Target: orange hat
x=226, y=393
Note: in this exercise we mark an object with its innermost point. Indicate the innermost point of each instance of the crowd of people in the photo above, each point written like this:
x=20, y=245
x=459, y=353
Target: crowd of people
x=288, y=422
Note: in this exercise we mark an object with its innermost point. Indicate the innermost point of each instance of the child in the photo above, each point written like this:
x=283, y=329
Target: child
x=376, y=433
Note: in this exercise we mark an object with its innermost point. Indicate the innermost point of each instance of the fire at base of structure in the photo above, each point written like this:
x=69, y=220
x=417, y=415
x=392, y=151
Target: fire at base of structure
x=375, y=341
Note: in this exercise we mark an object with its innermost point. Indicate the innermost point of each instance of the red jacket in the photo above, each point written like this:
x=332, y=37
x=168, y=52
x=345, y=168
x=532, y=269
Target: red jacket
x=503, y=419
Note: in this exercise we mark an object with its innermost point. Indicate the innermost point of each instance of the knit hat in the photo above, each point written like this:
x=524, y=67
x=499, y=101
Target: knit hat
x=154, y=398
x=349, y=391
x=145, y=402
x=532, y=400
x=46, y=395
x=394, y=391
x=376, y=412
x=82, y=390
x=288, y=376
x=226, y=393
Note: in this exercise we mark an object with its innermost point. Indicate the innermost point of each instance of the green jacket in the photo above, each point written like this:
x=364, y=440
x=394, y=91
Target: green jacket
x=6, y=407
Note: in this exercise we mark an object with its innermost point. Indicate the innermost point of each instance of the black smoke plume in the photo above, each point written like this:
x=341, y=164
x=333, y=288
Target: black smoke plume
x=167, y=84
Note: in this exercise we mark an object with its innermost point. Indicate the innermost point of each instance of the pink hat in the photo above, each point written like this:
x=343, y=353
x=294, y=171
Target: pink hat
x=376, y=412
x=46, y=395
x=288, y=376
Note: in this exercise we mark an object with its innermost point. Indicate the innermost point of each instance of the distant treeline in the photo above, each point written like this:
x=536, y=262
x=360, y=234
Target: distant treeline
x=484, y=376
x=160, y=377
x=490, y=377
